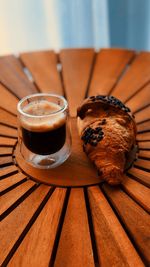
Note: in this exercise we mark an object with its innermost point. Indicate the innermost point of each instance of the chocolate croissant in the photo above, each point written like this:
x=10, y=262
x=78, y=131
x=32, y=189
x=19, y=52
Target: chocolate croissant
x=108, y=132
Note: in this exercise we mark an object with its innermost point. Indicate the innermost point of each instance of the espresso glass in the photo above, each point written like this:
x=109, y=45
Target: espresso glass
x=44, y=137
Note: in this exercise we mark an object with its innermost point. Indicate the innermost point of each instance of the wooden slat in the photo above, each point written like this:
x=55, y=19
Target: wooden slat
x=8, y=170
x=144, y=154
x=113, y=245
x=8, y=131
x=140, y=100
x=14, y=224
x=7, y=141
x=13, y=77
x=11, y=180
x=7, y=100
x=140, y=70
x=6, y=151
x=142, y=127
x=7, y=118
x=143, y=163
x=142, y=115
x=43, y=67
x=75, y=245
x=76, y=67
x=39, y=240
x=144, y=145
x=135, y=219
x=138, y=191
x=143, y=136
x=109, y=65
x=140, y=176
x=6, y=160
x=12, y=196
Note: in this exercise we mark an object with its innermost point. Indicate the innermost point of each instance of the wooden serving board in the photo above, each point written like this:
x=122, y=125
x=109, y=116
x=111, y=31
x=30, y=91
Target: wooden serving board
x=66, y=218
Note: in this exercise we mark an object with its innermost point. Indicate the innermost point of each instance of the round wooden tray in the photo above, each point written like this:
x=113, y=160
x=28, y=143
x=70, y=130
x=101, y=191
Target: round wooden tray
x=62, y=218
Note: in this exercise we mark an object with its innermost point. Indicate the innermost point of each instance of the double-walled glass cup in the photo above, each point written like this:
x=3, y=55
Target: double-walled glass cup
x=44, y=137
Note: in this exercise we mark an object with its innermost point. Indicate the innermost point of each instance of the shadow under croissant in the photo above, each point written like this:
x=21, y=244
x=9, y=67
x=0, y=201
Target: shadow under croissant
x=131, y=156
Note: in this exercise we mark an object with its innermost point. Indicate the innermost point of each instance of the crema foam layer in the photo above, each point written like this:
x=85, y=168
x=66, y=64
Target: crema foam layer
x=39, y=123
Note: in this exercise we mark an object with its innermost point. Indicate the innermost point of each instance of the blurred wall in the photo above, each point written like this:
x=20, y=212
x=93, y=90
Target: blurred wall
x=129, y=23
x=54, y=24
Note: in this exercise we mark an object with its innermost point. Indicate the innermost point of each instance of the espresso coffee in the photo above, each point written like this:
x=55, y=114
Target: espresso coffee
x=45, y=135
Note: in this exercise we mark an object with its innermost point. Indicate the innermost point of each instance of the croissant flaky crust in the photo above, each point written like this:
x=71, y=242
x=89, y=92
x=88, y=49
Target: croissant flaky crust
x=108, y=132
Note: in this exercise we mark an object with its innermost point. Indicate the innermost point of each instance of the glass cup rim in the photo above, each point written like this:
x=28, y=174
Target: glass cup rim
x=46, y=115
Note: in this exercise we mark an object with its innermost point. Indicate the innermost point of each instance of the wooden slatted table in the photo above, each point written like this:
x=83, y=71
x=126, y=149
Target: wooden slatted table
x=45, y=224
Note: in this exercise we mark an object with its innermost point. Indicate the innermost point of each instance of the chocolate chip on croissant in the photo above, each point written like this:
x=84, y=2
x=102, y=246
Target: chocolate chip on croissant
x=108, y=132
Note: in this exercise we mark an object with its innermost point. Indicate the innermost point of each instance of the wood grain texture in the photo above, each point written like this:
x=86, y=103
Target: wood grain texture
x=8, y=170
x=7, y=200
x=7, y=100
x=6, y=151
x=140, y=99
x=135, y=219
x=8, y=131
x=39, y=240
x=140, y=68
x=7, y=118
x=140, y=176
x=143, y=163
x=143, y=136
x=20, y=216
x=143, y=127
x=76, y=68
x=144, y=145
x=6, y=160
x=109, y=65
x=114, y=247
x=11, y=180
x=7, y=141
x=75, y=247
x=144, y=154
x=13, y=77
x=43, y=67
x=139, y=192
x=142, y=115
